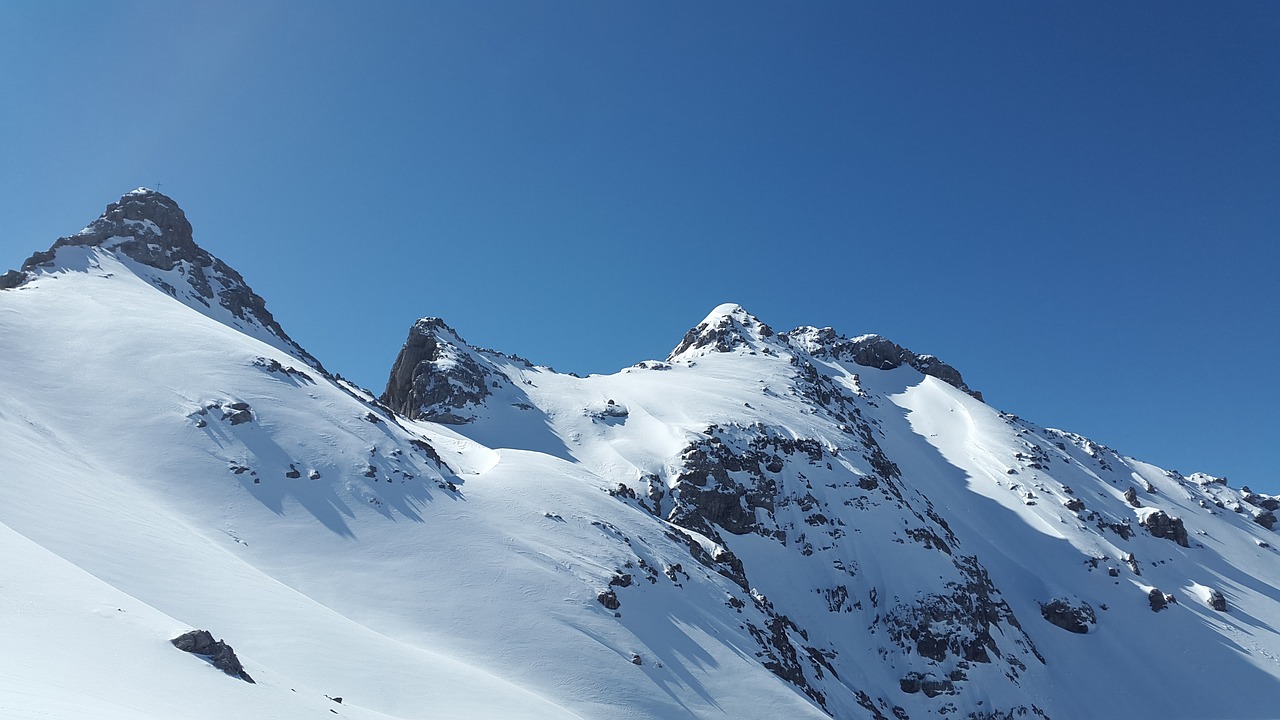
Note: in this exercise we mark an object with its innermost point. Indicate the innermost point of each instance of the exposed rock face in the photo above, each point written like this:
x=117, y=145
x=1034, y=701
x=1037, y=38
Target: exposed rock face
x=217, y=652
x=437, y=377
x=1217, y=601
x=1266, y=519
x=876, y=352
x=959, y=624
x=1161, y=525
x=149, y=228
x=1069, y=617
x=1131, y=497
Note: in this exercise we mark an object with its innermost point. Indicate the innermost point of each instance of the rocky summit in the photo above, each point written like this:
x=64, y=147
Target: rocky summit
x=763, y=524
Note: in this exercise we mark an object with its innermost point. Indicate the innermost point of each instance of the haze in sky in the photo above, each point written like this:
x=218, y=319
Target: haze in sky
x=1076, y=204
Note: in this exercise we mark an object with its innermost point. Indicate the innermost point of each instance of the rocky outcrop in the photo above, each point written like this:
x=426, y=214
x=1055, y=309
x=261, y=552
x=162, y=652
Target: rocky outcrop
x=1162, y=525
x=217, y=652
x=1159, y=600
x=1266, y=519
x=437, y=376
x=874, y=351
x=1076, y=618
x=959, y=624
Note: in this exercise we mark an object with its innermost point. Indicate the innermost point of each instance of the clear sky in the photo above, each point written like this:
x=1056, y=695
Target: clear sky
x=1075, y=203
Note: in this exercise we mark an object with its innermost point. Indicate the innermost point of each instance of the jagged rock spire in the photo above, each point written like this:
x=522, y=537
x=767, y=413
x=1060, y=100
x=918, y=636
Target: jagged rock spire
x=437, y=376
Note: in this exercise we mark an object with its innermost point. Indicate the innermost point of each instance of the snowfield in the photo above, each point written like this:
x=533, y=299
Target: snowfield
x=761, y=525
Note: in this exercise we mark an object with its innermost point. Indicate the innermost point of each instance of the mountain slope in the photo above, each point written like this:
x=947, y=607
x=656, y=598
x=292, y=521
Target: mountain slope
x=920, y=538
x=763, y=525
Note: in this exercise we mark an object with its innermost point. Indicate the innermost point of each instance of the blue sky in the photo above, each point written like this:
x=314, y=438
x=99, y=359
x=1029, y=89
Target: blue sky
x=1075, y=203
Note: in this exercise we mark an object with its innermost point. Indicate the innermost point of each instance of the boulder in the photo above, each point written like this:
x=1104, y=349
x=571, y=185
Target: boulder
x=1072, y=618
x=217, y=652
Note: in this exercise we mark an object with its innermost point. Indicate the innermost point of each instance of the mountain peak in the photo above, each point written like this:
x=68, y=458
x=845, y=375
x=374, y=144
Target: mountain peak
x=725, y=328
x=145, y=225
x=151, y=234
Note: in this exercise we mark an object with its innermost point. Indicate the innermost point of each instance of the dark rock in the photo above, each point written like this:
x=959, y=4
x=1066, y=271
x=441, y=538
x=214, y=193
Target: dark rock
x=12, y=279
x=1266, y=519
x=1266, y=502
x=1217, y=601
x=1074, y=505
x=609, y=599
x=1131, y=497
x=1161, y=525
x=1159, y=600
x=876, y=352
x=1072, y=618
x=437, y=376
x=217, y=652
x=636, y=659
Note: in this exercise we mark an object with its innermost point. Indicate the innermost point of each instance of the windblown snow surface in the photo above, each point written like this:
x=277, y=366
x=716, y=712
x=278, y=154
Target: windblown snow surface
x=756, y=527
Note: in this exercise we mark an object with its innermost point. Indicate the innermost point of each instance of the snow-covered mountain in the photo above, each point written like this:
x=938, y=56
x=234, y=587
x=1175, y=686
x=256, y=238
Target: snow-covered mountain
x=763, y=525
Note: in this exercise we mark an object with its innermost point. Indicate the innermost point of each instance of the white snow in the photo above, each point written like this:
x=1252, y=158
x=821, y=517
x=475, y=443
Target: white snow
x=418, y=591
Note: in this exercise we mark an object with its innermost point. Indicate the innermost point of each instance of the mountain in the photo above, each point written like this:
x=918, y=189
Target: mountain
x=763, y=524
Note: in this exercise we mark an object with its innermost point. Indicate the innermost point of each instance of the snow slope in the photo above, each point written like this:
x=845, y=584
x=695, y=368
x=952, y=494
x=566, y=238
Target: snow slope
x=762, y=525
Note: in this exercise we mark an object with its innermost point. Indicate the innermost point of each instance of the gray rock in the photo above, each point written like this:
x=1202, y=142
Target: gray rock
x=217, y=652
x=1160, y=600
x=12, y=279
x=1069, y=617
x=437, y=377
x=1266, y=519
x=1161, y=525
x=876, y=352
x=1131, y=497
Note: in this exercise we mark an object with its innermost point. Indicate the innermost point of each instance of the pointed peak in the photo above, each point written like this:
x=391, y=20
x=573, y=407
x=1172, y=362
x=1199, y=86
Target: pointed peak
x=144, y=224
x=142, y=212
x=147, y=231
x=725, y=328
x=434, y=326
x=437, y=376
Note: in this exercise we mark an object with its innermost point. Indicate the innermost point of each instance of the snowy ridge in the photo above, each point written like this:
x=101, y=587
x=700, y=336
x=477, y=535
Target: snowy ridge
x=765, y=525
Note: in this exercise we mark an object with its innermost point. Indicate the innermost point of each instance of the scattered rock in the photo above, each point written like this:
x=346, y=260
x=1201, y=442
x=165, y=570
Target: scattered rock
x=609, y=599
x=1217, y=601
